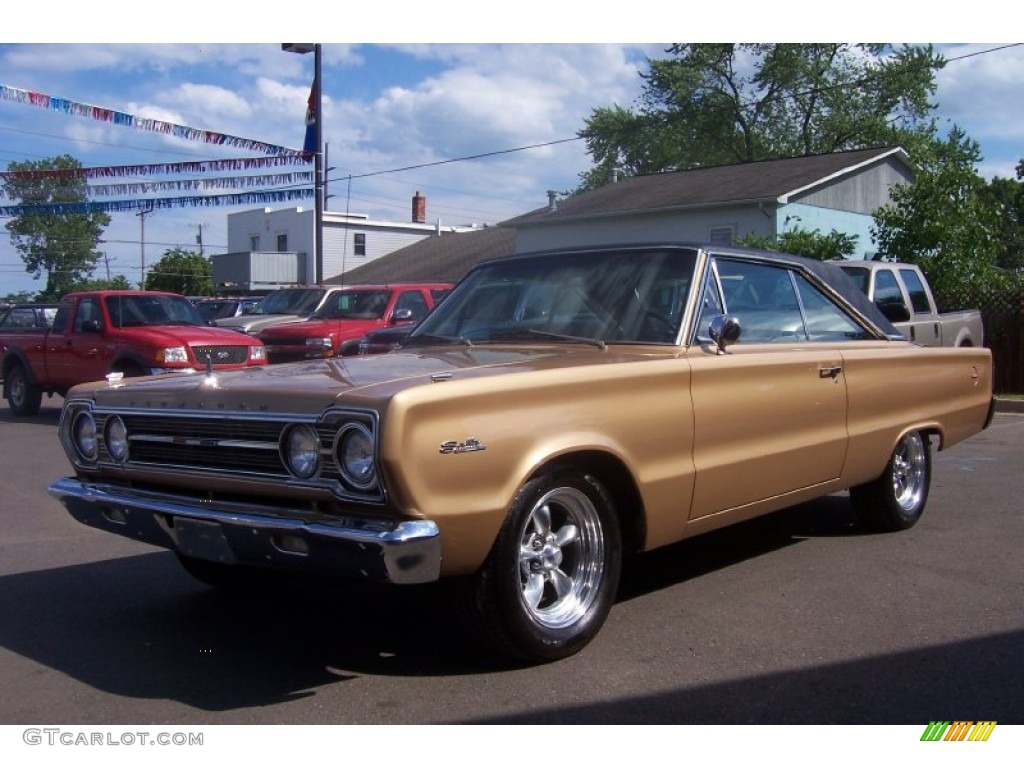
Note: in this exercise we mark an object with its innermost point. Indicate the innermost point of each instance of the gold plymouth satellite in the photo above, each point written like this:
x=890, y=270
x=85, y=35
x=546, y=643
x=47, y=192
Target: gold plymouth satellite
x=557, y=411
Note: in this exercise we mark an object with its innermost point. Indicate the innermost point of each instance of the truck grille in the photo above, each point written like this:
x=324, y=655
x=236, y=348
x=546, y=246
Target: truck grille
x=221, y=354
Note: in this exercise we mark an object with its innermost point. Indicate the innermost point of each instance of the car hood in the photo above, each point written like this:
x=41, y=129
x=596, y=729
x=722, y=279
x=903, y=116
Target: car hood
x=187, y=335
x=310, y=387
x=315, y=328
x=255, y=323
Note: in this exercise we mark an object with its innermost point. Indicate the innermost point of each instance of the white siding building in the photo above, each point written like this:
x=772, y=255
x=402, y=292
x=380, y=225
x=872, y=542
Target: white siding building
x=259, y=238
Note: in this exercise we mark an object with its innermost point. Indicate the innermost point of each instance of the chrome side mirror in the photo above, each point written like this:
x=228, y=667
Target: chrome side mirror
x=724, y=331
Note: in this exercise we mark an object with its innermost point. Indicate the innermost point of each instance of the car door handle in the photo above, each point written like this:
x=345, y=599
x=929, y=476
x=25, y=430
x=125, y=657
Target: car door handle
x=829, y=371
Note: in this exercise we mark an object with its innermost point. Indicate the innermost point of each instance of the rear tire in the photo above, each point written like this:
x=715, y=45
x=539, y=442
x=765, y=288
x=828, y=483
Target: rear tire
x=895, y=500
x=551, y=577
x=24, y=397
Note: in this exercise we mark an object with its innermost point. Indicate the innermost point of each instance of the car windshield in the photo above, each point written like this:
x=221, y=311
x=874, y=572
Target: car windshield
x=215, y=310
x=630, y=296
x=289, y=301
x=355, y=305
x=151, y=309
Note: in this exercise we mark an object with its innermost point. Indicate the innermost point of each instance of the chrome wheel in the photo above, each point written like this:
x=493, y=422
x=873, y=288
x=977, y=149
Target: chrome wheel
x=561, y=558
x=895, y=500
x=909, y=472
x=551, y=576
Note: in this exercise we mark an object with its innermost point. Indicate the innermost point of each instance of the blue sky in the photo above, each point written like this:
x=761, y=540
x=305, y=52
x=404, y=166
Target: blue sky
x=388, y=105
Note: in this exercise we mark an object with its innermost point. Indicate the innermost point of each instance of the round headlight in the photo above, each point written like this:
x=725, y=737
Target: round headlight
x=116, y=437
x=355, y=453
x=302, y=451
x=83, y=434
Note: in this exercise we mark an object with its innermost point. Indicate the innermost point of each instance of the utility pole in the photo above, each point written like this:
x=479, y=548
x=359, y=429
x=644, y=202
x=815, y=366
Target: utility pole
x=142, y=242
x=199, y=237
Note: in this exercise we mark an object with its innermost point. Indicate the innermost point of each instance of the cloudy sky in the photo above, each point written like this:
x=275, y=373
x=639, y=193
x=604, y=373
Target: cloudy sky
x=394, y=111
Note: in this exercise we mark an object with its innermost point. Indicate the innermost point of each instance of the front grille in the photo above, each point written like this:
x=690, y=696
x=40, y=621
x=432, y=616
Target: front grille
x=239, y=445
x=221, y=354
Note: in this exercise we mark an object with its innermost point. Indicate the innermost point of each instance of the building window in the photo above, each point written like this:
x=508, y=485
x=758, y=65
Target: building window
x=282, y=243
x=721, y=235
x=359, y=244
x=254, y=242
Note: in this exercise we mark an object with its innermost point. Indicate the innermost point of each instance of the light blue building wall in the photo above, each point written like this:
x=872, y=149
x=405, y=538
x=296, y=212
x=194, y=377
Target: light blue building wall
x=824, y=220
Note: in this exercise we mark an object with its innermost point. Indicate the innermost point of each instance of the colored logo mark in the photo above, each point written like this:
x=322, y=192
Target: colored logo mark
x=958, y=730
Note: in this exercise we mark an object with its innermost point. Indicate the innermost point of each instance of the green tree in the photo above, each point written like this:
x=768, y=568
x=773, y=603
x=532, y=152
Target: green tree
x=716, y=104
x=945, y=221
x=805, y=242
x=60, y=243
x=118, y=283
x=1007, y=197
x=181, y=271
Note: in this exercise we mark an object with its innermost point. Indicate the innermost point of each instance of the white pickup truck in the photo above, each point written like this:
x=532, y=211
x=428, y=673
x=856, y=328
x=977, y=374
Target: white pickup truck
x=904, y=296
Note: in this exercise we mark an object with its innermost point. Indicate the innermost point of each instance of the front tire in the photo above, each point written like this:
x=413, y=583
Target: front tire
x=551, y=577
x=24, y=397
x=895, y=500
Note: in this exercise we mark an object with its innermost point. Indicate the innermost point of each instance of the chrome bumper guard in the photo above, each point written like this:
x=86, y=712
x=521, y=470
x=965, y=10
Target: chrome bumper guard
x=408, y=552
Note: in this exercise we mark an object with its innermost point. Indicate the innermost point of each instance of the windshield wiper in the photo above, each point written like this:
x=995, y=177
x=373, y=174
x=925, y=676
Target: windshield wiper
x=515, y=333
x=423, y=339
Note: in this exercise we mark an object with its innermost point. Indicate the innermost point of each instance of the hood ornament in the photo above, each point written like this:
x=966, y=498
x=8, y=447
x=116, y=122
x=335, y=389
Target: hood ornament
x=211, y=378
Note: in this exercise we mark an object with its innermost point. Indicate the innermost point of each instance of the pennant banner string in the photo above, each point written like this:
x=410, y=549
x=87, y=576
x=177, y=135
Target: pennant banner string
x=119, y=206
x=57, y=104
x=226, y=182
x=154, y=169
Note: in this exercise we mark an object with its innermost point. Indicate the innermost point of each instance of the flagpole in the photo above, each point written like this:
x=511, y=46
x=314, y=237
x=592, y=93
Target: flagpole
x=318, y=158
x=318, y=172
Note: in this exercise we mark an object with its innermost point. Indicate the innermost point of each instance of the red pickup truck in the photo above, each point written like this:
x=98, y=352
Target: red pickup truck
x=134, y=333
x=347, y=316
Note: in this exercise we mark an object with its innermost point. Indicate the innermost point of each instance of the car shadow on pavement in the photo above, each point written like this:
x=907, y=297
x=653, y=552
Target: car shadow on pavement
x=141, y=627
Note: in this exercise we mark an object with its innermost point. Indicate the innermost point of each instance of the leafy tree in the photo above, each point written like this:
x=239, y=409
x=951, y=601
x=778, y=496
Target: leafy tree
x=181, y=271
x=118, y=283
x=21, y=297
x=63, y=245
x=1007, y=196
x=945, y=221
x=805, y=242
x=716, y=104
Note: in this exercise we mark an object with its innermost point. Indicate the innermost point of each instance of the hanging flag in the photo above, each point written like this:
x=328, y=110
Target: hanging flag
x=309, y=146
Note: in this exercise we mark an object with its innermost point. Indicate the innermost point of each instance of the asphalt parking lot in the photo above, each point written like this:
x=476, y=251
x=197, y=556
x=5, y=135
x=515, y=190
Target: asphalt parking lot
x=799, y=617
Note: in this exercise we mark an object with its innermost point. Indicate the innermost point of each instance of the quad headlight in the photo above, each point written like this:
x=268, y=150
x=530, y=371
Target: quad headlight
x=355, y=453
x=301, y=450
x=83, y=436
x=116, y=438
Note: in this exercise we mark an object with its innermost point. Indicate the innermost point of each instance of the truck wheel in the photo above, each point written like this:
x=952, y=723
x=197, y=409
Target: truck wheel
x=23, y=396
x=895, y=500
x=553, y=572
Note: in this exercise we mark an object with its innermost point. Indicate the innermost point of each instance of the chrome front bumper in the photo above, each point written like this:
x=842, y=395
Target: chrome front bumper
x=407, y=552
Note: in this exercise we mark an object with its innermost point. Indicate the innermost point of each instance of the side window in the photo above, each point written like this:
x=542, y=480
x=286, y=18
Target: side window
x=88, y=311
x=359, y=244
x=825, y=320
x=60, y=322
x=887, y=290
x=710, y=304
x=764, y=299
x=282, y=243
x=414, y=302
x=916, y=289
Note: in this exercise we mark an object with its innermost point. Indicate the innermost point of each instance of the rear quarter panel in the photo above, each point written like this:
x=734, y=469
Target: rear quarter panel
x=900, y=387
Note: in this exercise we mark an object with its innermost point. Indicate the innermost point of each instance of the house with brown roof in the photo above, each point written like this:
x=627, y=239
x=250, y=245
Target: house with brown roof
x=719, y=204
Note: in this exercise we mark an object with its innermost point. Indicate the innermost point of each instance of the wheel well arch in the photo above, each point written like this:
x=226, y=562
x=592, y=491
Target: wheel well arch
x=621, y=486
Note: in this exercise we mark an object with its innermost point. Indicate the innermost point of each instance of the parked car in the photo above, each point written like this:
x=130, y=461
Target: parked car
x=130, y=333
x=556, y=412
x=335, y=328
x=903, y=294
x=285, y=305
x=222, y=308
